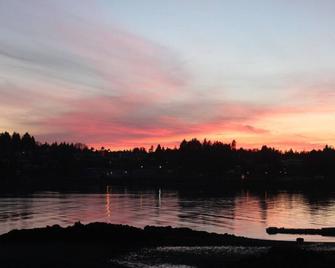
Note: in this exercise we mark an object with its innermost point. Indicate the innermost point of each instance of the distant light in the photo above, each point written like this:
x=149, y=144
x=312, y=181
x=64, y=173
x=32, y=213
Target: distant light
x=159, y=166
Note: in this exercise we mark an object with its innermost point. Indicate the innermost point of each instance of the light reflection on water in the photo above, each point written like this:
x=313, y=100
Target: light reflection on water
x=242, y=213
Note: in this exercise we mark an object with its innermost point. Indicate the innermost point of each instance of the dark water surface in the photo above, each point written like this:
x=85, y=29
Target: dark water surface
x=242, y=212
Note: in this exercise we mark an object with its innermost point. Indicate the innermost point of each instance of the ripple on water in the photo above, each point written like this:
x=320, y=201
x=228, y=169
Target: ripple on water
x=242, y=213
x=184, y=256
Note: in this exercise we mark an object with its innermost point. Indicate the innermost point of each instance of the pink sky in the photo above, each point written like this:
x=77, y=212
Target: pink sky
x=84, y=73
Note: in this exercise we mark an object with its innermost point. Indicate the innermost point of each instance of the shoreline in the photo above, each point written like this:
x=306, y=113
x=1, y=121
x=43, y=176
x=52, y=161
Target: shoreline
x=56, y=233
x=109, y=245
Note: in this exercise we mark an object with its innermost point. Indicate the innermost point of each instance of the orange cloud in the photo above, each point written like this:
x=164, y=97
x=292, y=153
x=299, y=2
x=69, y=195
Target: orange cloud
x=102, y=85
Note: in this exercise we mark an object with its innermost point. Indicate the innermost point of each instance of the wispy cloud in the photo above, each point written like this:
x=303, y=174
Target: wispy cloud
x=68, y=75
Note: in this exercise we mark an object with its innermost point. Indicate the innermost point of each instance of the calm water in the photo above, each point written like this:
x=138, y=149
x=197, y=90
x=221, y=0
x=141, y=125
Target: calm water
x=242, y=213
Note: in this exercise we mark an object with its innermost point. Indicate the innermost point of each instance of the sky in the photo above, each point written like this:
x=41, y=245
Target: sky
x=124, y=74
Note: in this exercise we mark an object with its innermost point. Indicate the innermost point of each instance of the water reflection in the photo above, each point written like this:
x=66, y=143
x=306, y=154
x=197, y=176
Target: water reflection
x=108, y=209
x=241, y=212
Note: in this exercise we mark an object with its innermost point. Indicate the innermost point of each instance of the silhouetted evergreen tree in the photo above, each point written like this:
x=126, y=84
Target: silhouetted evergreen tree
x=25, y=161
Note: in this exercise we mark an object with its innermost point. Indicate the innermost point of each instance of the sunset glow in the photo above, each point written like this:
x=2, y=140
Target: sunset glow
x=123, y=74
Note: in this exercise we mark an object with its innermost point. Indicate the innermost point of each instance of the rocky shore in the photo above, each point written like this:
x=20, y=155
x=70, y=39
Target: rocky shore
x=108, y=245
x=301, y=231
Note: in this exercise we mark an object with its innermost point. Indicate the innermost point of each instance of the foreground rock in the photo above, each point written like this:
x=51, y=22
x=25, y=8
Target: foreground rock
x=124, y=236
x=322, y=231
x=107, y=245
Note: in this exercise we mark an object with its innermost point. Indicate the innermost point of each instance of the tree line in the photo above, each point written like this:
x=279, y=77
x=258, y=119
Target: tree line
x=25, y=161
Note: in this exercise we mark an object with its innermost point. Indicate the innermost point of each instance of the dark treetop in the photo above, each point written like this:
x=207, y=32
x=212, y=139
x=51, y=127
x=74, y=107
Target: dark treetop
x=27, y=163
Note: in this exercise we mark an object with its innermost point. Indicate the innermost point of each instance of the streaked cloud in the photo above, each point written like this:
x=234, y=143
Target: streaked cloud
x=78, y=72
